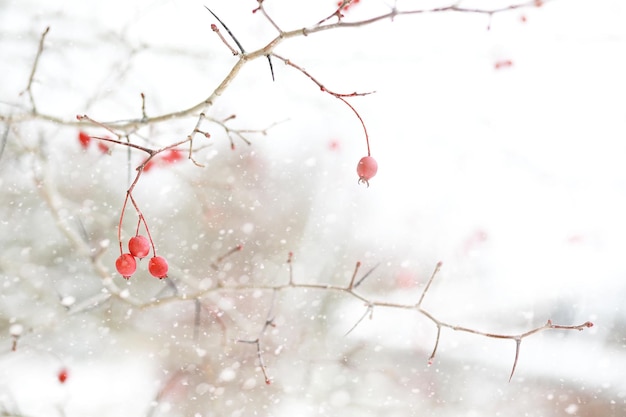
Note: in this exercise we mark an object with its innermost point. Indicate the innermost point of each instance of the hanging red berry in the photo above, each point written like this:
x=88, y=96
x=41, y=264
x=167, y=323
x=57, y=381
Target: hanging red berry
x=366, y=169
x=126, y=265
x=139, y=246
x=158, y=267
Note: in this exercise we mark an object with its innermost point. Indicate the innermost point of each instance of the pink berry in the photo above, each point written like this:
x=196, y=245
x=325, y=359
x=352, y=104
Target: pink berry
x=126, y=265
x=139, y=246
x=366, y=169
x=158, y=267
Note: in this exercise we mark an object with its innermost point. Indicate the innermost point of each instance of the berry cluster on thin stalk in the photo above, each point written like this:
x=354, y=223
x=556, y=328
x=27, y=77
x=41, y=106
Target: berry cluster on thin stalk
x=138, y=246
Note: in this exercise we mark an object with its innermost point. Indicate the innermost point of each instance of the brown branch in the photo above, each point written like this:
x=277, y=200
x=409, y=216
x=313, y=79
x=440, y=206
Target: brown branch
x=430, y=281
x=356, y=270
x=432, y=355
x=220, y=259
x=215, y=29
x=268, y=49
x=336, y=13
x=269, y=322
x=369, y=311
x=371, y=304
x=518, y=343
x=367, y=274
x=31, y=78
x=5, y=137
x=144, y=116
x=261, y=8
x=290, y=264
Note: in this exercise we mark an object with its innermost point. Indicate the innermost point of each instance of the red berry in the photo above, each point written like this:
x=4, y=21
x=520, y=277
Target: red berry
x=103, y=147
x=366, y=169
x=126, y=265
x=62, y=375
x=139, y=246
x=84, y=139
x=173, y=155
x=158, y=267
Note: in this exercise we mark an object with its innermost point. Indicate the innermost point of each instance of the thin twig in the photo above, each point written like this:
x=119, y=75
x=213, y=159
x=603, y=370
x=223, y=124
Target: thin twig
x=215, y=29
x=367, y=274
x=269, y=321
x=518, y=343
x=432, y=355
x=144, y=116
x=227, y=30
x=267, y=16
x=339, y=96
x=269, y=61
x=220, y=259
x=336, y=13
x=289, y=263
x=430, y=281
x=3, y=141
x=31, y=78
x=368, y=311
x=196, y=319
x=356, y=270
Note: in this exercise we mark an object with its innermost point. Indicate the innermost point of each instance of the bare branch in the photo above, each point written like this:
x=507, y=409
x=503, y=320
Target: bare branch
x=367, y=274
x=215, y=29
x=269, y=322
x=356, y=270
x=369, y=311
x=227, y=30
x=430, y=281
x=339, y=96
x=267, y=16
x=432, y=355
x=518, y=343
x=220, y=259
x=289, y=262
x=144, y=116
x=3, y=140
x=31, y=78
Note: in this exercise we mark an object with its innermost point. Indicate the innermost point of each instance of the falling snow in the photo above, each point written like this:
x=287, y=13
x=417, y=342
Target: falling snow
x=500, y=152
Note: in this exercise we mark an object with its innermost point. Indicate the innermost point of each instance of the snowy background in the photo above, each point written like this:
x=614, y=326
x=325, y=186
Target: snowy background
x=501, y=144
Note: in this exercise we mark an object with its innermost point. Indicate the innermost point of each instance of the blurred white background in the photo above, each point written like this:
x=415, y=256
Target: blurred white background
x=500, y=142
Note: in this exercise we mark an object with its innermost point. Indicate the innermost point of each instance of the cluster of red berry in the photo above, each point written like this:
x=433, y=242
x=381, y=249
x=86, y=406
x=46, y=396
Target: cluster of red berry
x=139, y=247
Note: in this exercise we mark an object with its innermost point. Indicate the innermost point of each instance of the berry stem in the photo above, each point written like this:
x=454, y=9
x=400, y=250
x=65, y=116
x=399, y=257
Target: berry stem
x=119, y=226
x=367, y=138
x=142, y=219
x=340, y=96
